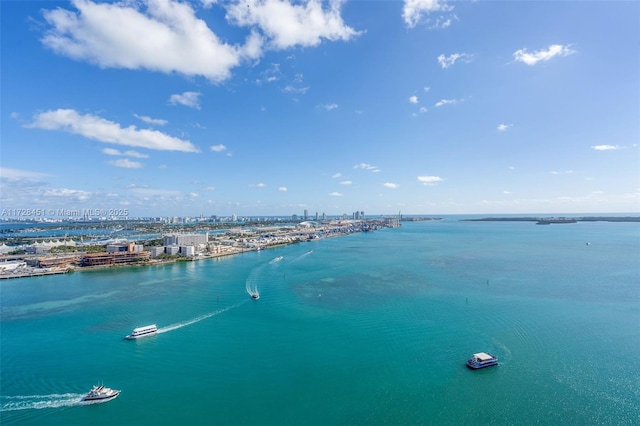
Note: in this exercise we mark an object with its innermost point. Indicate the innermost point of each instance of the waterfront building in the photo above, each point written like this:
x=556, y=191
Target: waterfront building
x=186, y=239
x=131, y=247
x=156, y=251
x=187, y=250
x=173, y=249
x=113, y=259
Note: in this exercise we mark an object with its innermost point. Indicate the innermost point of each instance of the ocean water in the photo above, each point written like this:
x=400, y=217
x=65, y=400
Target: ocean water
x=366, y=329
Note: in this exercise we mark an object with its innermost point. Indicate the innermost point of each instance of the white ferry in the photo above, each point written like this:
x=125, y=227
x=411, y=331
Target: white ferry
x=100, y=394
x=139, y=332
x=482, y=360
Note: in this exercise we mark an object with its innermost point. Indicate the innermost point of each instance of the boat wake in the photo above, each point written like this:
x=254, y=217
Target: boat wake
x=302, y=256
x=197, y=319
x=38, y=402
x=251, y=284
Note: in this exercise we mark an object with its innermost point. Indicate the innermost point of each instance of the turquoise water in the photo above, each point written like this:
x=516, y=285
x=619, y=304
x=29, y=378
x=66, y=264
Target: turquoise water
x=367, y=329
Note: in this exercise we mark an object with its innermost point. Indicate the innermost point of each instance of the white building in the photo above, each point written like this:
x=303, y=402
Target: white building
x=187, y=250
x=186, y=239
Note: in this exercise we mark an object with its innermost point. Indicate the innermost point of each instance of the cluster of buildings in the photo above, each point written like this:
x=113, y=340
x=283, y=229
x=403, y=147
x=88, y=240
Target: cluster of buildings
x=39, y=259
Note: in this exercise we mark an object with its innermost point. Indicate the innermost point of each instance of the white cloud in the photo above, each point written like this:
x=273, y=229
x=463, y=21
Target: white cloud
x=15, y=174
x=503, y=127
x=112, y=151
x=149, y=120
x=190, y=99
x=365, y=166
x=336, y=175
x=329, y=107
x=566, y=172
x=14, y=115
x=346, y=182
x=443, y=102
x=270, y=74
x=542, y=55
x=447, y=61
x=282, y=189
x=390, y=185
x=427, y=88
x=97, y=128
x=126, y=163
x=414, y=12
x=208, y=3
x=218, y=148
x=423, y=109
x=605, y=147
x=157, y=35
x=429, y=180
x=335, y=194
x=71, y=194
x=292, y=89
x=286, y=25
x=210, y=188
x=257, y=185
x=413, y=99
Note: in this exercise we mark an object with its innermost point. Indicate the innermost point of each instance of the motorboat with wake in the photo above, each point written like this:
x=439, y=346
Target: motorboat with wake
x=100, y=394
x=139, y=332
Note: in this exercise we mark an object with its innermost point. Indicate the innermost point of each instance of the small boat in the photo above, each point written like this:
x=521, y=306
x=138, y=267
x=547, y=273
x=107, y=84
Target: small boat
x=139, y=332
x=255, y=296
x=482, y=360
x=100, y=394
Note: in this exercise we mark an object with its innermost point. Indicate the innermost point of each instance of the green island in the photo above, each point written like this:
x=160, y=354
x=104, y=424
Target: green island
x=557, y=220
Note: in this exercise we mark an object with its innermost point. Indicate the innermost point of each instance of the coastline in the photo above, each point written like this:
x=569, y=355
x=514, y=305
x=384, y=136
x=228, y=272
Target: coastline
x=73, y=263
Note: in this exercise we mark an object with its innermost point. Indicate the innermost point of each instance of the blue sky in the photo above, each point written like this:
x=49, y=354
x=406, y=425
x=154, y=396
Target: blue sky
x=271, y=107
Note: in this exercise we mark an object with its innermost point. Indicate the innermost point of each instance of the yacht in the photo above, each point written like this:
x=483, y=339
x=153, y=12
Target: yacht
x=100, y=394
x=139, y=332
x=482, y=360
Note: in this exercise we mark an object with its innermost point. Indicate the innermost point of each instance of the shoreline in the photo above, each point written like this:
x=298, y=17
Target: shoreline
x=72, y=267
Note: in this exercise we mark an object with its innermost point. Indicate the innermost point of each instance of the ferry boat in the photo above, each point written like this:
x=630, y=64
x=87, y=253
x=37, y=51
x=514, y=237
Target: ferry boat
x=482, y=360
x=139, y=332
x=100, y=394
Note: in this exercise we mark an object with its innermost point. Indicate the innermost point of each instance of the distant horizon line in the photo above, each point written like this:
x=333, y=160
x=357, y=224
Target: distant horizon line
x=301, y=217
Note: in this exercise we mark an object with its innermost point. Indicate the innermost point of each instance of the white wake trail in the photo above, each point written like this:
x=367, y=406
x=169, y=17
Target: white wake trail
x=38, y=402
x=198, y=319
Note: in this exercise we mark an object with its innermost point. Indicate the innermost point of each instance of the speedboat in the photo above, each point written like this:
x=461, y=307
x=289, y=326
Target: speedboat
x=255, y=296
x=482, y=360
x=139, y=332
x=100, y=394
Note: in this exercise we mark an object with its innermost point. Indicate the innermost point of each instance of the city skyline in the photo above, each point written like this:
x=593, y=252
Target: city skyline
x=272, y=108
